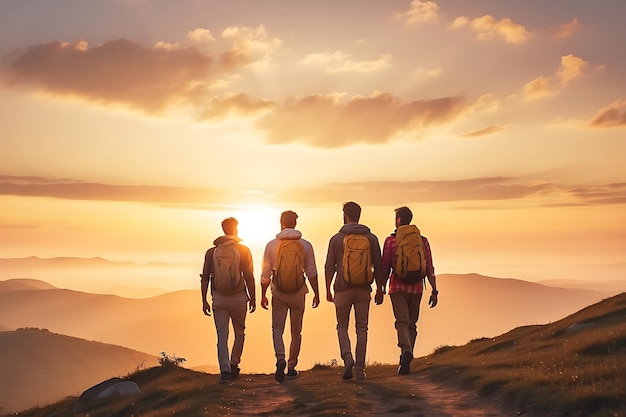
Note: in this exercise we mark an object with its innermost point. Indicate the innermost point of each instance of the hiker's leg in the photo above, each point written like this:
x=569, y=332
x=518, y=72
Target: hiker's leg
x=238, y=310
x=414, y=313
x=343, y=305
x=222, y=322
x=296, y=315
x=279, y=317
x=362, y=299
x=400, y=304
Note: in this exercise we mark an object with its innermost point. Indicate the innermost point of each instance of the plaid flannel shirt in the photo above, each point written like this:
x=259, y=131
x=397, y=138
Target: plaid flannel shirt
x=395, y=285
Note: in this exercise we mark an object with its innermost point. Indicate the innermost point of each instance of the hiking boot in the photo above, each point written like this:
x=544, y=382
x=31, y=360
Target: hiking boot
x=405, y=363
x=279, y=376
x=359, y=374
x=292, y=373
x=347, y=369
x=234, y=371
x=225, y=377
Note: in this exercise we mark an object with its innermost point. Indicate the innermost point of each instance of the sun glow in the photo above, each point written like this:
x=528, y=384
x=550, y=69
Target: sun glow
x=257, y=224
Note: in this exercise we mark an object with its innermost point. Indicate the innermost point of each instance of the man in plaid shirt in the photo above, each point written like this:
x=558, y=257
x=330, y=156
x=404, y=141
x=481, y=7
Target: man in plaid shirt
x=405, y=297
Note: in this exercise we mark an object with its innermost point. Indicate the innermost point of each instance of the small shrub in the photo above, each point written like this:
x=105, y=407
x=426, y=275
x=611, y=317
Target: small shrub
x=170, y=360
x=443, y=349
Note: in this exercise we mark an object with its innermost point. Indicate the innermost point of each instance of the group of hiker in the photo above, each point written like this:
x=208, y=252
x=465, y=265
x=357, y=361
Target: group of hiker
x=354, y=263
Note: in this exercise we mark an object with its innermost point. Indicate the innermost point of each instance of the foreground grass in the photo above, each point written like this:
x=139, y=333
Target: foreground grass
x=550, y=370
x=168, y=391
x=574, y=367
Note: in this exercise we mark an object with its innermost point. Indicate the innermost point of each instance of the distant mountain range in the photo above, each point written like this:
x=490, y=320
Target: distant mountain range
x=470, y=306
x=103, y=276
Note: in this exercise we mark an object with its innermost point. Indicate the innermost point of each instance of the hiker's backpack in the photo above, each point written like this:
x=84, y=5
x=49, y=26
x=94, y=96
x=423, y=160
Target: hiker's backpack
x=410, y=262
x=289, y=274
x=227, y=277
x=357, y=260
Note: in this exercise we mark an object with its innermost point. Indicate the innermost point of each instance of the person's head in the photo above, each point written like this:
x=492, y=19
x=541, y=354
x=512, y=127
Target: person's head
x=351, y=212
x=288, y=219
x=229, y=226
x=403, y=216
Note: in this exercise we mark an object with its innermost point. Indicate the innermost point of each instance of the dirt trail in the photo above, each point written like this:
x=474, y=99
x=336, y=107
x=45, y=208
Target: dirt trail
x=384, y=395
x=429, y=399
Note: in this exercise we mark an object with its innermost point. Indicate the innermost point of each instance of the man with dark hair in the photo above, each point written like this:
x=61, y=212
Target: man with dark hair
x=287, y=260
x=232, y=297
x=352, y=291
x=406, y=294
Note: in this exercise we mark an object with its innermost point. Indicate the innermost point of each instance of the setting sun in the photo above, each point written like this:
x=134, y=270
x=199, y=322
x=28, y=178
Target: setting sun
x=257, y=224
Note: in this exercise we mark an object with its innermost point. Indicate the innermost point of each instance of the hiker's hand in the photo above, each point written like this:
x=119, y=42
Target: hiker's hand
x=316, y=300
x=252, y=306
x=379, y=297
x=264, y=302
x=206, y=308
x=329, y=297
x=432, y=302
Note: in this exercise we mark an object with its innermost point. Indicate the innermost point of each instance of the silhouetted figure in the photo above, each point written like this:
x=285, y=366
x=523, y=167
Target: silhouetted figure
x=228, y=270
x=406, y=246
x=287, y=262
x=352, y=262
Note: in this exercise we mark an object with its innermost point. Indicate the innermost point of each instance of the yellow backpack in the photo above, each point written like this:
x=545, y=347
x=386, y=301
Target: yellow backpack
x=289, y=274
x=410, y=262
x=357, y=260
x=227, y=278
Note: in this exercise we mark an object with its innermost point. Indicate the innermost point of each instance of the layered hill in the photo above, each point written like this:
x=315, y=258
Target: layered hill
x=470, y=306
x=39, y=367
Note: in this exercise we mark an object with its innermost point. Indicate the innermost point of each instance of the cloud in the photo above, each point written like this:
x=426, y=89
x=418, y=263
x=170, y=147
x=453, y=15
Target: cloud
x=339, y=62
x=489, y=28
x=433, y=72
x=420, y=12
x=567, y=30
x=328, y=122
x=233, y=104
x=613, y=115
x=151, y=79
x=542, y=193
x=473, y=189
x=255, y=43
x=68, y=189
x=572, y=68
x=538, y=88
x=484, y=132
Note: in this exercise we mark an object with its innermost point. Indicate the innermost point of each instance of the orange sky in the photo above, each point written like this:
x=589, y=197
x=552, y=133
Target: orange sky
x=130, y=128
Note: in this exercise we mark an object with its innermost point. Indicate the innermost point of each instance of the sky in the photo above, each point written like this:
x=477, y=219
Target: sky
x=130, y=128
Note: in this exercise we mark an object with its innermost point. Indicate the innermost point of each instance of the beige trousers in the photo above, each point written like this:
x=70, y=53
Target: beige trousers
x=359, y=298
x=406, y=309
x=281, y=305
x=226, y=311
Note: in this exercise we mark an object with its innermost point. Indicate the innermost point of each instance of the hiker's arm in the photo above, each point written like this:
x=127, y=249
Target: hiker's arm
x=204, y=282
x=264, y=300
x=378, y=263
x=330, y=267
x=248, y=275
x=206, y=307
x=388, y=256
x=266, y=275
x=311, y=272
x=430, y=274
x=316, y=291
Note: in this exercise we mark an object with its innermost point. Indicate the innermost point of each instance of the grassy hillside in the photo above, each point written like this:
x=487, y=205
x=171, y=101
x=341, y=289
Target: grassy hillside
x=548, y=370
x=39, y=367
x=573, y=367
